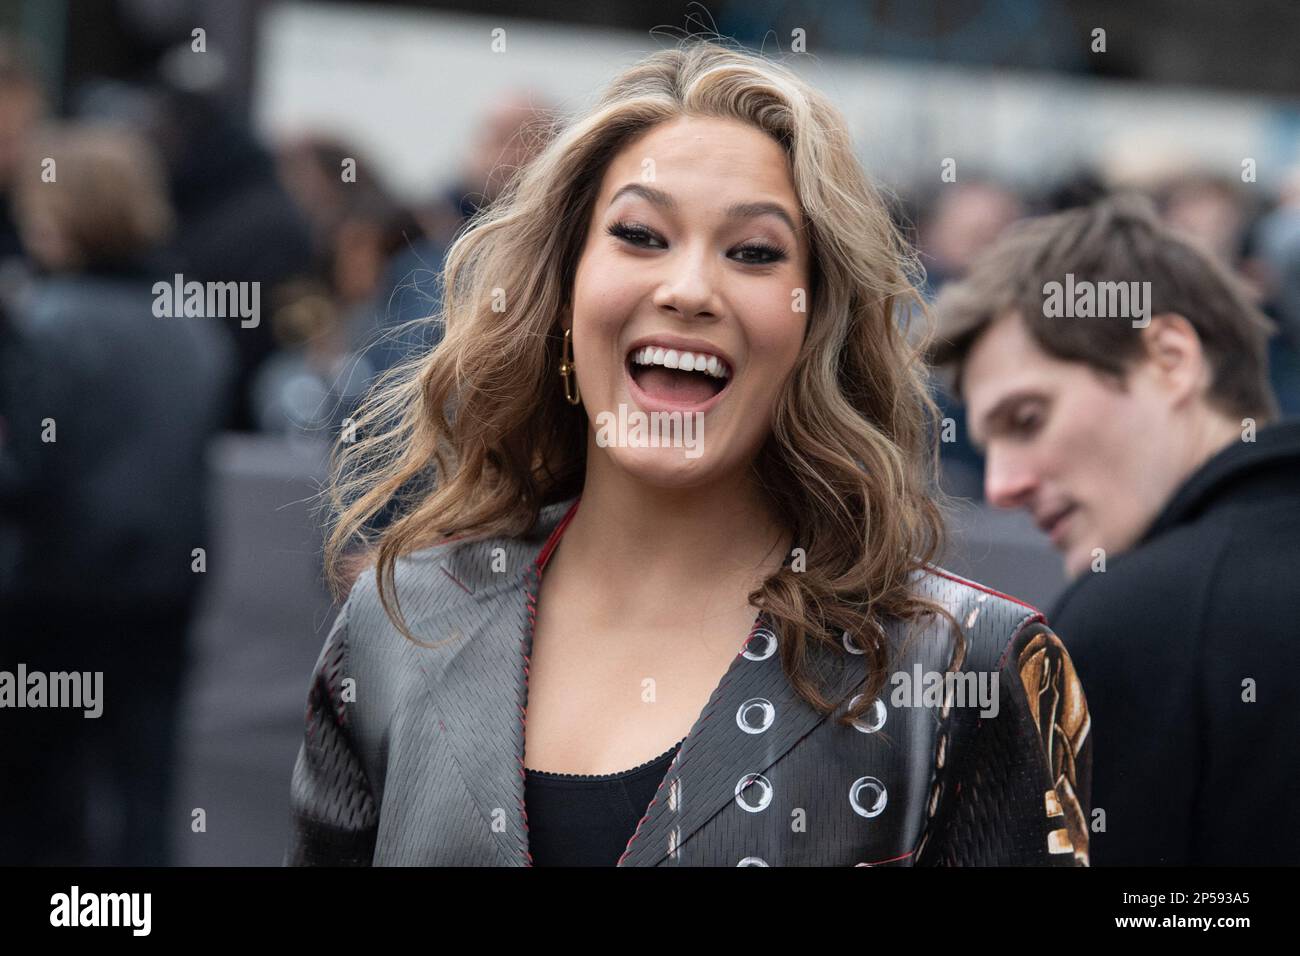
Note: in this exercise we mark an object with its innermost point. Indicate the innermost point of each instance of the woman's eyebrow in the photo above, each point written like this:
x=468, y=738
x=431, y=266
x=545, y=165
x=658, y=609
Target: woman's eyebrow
x=748, y=210
x=739, y=210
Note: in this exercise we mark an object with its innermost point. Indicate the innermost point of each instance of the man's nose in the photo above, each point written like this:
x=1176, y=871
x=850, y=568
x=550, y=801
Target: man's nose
x=1009, y=481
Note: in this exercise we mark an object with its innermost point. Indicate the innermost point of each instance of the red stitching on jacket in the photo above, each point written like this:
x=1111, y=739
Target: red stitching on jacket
x=1037, y=618
x=456, y=579
x=545, y=554
x=532, y=576
x=531, y=601
x=893, y=860
x=980, y=587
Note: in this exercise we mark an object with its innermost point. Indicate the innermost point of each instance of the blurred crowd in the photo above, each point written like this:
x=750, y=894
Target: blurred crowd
x=346, y=268
x=151, y=180
x=108, y=404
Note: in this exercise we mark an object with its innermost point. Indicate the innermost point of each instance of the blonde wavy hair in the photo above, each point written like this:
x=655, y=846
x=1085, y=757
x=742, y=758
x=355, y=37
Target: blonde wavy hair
x=472, y=439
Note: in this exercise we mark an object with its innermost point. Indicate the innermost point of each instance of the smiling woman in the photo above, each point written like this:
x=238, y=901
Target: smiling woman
x=701, y=243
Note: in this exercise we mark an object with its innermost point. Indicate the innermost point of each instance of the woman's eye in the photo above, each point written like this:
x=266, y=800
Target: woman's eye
x=634, y=233
x=760, y=253
x=752, y=253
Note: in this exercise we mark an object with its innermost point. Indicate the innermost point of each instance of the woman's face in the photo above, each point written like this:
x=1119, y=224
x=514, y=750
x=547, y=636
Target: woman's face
x=696, y=246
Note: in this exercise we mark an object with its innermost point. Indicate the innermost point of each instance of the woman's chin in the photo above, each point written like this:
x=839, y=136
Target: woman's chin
x=662, y=467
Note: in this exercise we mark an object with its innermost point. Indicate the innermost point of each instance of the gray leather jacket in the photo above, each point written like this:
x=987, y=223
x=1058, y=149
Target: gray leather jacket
x=413, y=756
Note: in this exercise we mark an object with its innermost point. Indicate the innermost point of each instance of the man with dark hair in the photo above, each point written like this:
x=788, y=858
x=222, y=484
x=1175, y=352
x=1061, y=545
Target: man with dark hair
x=1116, y=378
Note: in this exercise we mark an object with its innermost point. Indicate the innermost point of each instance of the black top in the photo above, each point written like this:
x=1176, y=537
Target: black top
x=587, y=819
x=1192, y=636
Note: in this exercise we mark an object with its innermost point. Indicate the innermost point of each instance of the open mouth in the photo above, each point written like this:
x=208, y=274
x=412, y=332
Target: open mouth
x=678, y=378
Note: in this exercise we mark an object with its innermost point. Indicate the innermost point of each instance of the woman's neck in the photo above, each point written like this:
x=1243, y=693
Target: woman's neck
x=646, y=542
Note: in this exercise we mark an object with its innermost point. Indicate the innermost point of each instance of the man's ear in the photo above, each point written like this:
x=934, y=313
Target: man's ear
x=1177, y=360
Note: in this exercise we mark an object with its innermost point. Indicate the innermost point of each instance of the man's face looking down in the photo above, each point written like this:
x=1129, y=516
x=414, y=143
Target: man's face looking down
x=1093, y=460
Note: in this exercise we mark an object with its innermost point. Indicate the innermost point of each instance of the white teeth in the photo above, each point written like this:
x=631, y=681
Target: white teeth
x=686, y=361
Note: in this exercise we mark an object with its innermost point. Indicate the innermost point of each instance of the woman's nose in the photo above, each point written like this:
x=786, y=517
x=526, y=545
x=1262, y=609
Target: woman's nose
x=689, y=285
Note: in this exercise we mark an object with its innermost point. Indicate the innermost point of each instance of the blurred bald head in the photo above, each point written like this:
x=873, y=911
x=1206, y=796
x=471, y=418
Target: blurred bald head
x=513, y=131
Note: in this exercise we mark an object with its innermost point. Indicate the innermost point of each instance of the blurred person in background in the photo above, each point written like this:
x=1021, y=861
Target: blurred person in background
x=234, y=220
x=377, y=268
x=106, y=412
x=964, y=219
x=1209, y=210
x=514, y=129
x=322, y=365
x=1273, y=260
x=1278, y=249
x=402, y=319
x=356, y=224
x=22, y=104
x=1218, y=215
x=1154, y=458
x=1081, y=186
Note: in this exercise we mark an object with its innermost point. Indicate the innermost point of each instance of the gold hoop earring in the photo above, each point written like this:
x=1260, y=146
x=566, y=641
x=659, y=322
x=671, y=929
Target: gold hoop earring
x=567, y=370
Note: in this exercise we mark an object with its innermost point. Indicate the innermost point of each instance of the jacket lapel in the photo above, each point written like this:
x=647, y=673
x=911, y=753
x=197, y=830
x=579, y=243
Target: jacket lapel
x=476, y=680
x=726, y=754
